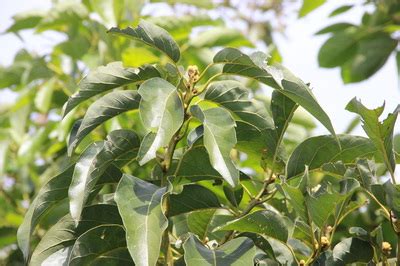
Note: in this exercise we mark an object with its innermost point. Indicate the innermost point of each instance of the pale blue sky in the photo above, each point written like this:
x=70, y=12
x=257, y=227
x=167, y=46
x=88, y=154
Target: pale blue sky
x=299, y=49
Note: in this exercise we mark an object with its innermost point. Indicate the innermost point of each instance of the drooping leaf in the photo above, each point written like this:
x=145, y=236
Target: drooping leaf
x=139, y=204
x=104, y=244
x=120, y=147
x=219, y=139
x=267, y=223
x=352, y=250
x=108, y=106
x=380, y=133
x=58, y=241
x=310, y=5
x=162, y=113
x=108, y=77
x=371, y=55
x=316, y=151
x=277, y=77
x=239, y=251
x=152, y=35
x=54, y=191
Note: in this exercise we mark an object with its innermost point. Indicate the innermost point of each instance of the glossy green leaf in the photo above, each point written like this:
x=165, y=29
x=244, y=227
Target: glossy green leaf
x=54, y=191
x=104, y=244
x=277, y=77
x=316, y=151
x=120, y=145
x=239, y=251
x=105, y=108
x=108, y=77
x=380, y=133
x=309, y=5
x=352, y=250
x=153, y=36
x=56, y=245
x=219, y=139
x=371, y=55
x=267, y=223
x=161, y=110
x=140, y=205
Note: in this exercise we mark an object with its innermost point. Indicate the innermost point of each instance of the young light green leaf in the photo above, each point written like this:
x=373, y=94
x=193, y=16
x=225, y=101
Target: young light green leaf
x=161, y=110
x=219, y=139
x=108, y=77
x=237, y=252
x=220, y=36
x=101, y=245
x=265, y=222
x=153, y=36
x=277, y=77
x=120, y=146
x=105, y=108
x=58, y=241
x=54, y=191
x=310, y=5
x=316, y=151
x=380, y=133
x=140, y=205
x=351, y=250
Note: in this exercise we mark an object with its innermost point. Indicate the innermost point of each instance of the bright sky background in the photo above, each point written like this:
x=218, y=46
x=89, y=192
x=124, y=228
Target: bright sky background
x=299, y=49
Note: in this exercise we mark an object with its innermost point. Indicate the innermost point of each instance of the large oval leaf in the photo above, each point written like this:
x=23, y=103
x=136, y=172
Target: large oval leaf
x=152, y=35
x=319, y=150
x=140, y=205
x=58, y=241
x=352, y=250
x=161, y=110
x=219, y=139
x=265, y=222
x=102, y=245
x=108, y=106
x=54, y=191
x=120, y=145
x=237, y=252
x=277, y=77
x=108, y=77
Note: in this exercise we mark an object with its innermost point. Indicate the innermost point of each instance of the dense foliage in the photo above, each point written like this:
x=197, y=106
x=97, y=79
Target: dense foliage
x=170, y=191
x=170, y=153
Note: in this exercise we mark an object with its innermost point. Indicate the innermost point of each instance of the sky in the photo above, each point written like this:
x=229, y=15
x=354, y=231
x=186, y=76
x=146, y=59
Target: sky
x=299, y=48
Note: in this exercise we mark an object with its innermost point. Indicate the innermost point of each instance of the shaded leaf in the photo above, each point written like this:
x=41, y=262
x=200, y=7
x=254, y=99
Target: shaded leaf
x=152, y=35
x=352, y=250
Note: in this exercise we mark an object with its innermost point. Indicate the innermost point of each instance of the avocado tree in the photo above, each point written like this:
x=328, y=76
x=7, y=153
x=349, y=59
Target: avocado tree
x=200, y=172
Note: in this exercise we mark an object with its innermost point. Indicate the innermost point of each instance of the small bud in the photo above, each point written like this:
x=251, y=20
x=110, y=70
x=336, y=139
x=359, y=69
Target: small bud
x=302, y=263
x=386, y=248
x=329, y=229
x=193, y=74
x=178, y=243
x=324, y=242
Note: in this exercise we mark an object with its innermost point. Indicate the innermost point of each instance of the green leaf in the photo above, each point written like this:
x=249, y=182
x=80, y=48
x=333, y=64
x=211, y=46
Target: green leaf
x=339, y=48
x=162, y=113
x=340, y=10
x=351, y=250
x=104, y=244
x=337, y=27
x=380, y=133
x=219, y=139
x=310, y=5
x=54, y=191
x=316, y=151
x=120, y=146
x=392, y=197
x=153, y=36
x=220, y=36
x=192, y=197
x=372, y=54
x=267, y=223
x=140, y=205
x=105, y=108
x=108, y=77
x=277, y=77
x=282, y=109
x=26, y=20
x=239, y=251
x=44, y=96
x=56, y=245
x=138, y=56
